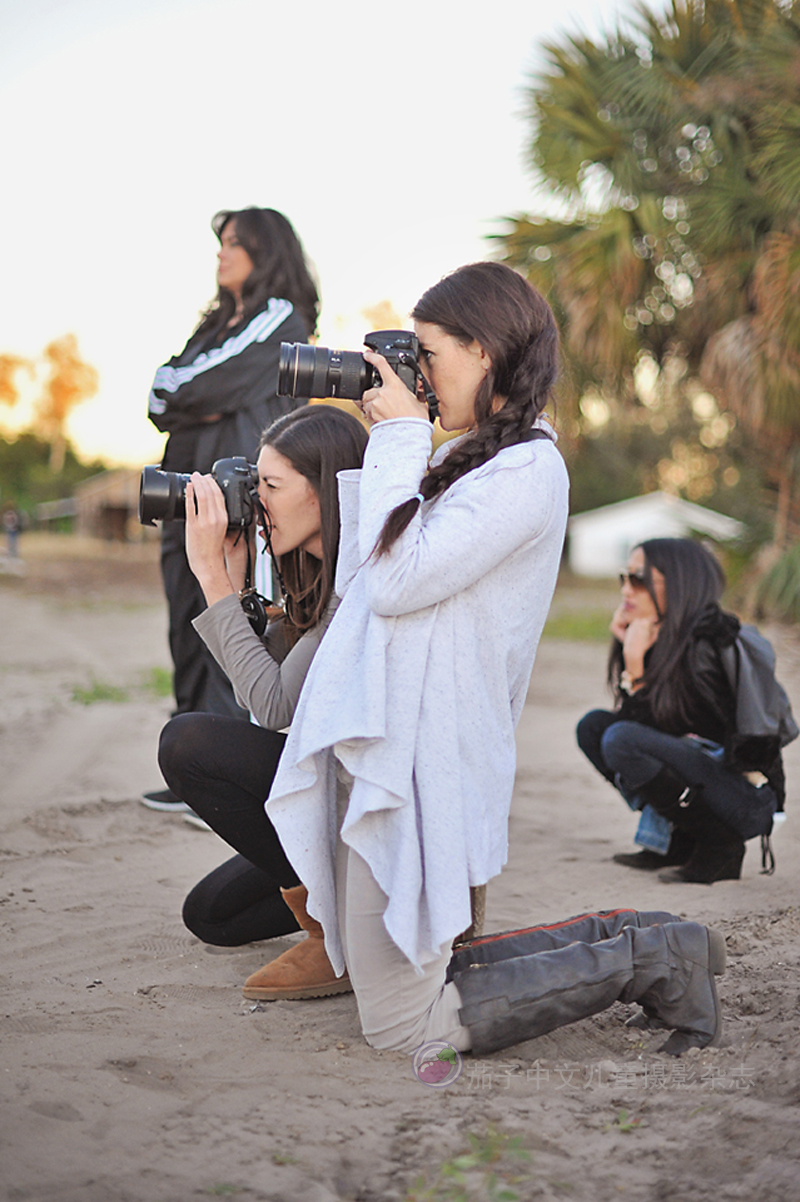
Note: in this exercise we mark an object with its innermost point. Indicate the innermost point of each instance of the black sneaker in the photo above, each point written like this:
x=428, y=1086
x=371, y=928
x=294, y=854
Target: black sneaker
x=166, y=801
x=195, y=820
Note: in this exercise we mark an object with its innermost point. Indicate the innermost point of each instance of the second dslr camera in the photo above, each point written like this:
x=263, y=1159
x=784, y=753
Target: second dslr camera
x=316, y=371
x=162, y=494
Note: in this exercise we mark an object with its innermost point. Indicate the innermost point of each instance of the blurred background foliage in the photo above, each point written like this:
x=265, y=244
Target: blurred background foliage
x=665, y=231
x=39, y=464
x=667, y=237
x=27, y=477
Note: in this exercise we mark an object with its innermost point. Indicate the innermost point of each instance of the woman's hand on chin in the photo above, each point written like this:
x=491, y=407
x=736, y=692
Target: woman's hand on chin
x=393, y=399
x=206, y=531
x=639, y=637
x=619, y=623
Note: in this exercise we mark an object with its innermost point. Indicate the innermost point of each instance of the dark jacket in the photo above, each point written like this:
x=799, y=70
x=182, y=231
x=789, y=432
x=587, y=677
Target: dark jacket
x=712, y=702
x=233, y=381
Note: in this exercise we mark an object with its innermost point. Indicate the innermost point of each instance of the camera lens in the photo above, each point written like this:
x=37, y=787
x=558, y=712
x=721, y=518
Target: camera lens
x=161, y=495
x=315, y=371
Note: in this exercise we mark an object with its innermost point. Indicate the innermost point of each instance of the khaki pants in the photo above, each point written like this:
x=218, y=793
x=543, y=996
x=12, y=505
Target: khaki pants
x=399, y=1007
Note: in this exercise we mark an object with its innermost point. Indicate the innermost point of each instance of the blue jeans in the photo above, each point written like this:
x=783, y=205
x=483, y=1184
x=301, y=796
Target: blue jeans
x=630, y=755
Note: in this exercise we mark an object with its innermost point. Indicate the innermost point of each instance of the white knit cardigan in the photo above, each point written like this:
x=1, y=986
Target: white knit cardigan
x=419, y=682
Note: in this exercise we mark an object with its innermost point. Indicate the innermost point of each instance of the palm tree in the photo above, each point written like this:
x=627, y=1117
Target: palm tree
x=672, y=152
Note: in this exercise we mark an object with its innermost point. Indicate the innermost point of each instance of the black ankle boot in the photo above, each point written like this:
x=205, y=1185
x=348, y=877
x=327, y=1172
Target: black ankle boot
x=680, y=849
x=718, y=851
x=719, y=861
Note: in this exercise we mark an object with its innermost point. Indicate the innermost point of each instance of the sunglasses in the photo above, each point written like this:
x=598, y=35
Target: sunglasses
x=634, y=579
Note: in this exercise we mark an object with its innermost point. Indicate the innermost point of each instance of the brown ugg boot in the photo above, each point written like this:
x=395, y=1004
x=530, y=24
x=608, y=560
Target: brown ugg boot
x=302, y=972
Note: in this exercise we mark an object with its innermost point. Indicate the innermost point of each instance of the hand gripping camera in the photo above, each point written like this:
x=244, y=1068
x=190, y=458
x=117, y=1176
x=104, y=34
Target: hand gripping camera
x=162, y=494
x=316, y=371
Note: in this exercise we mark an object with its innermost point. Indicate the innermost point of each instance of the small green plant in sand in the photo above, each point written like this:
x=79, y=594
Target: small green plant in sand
x=158, y=682
x=625, y=1123
x=483, y=1174
x=98, y=690
x=155, y=682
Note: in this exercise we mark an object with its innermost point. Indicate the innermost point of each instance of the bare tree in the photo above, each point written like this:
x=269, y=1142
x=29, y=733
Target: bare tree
x=70, y=382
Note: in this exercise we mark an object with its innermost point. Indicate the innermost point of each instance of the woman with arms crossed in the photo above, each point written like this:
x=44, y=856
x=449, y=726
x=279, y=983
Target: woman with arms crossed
x=213, y=400
x=393, y=793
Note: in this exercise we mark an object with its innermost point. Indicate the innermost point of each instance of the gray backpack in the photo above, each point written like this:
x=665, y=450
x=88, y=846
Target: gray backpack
x=764, y=719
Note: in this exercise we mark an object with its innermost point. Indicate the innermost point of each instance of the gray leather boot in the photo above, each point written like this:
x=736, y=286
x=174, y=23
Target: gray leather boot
x=583, y=928
x=669, y=969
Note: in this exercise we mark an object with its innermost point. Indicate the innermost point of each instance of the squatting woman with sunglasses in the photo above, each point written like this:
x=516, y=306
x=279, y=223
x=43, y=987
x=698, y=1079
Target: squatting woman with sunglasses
x=665, y=745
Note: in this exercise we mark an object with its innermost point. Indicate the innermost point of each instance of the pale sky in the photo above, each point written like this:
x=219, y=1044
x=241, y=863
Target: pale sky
x=391, y=135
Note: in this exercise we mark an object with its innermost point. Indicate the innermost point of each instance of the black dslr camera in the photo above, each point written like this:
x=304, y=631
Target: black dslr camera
x=162, y=494
x=316, y=371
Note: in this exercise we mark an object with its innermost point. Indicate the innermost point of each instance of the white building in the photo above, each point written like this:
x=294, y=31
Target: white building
x=600, y=540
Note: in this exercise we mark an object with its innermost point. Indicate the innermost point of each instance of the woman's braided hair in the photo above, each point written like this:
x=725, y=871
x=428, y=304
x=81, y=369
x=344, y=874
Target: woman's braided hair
x=492, y=305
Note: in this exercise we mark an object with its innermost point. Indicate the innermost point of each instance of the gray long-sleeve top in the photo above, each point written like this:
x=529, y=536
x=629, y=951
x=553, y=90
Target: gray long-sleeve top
x=266, y=673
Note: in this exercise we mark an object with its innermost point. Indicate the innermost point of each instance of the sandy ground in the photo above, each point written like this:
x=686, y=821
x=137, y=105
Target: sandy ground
x=133, y=1069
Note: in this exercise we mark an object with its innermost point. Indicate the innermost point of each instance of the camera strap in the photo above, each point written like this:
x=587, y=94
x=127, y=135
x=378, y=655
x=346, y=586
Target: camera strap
x=431, y=399
x=253, y=603
x=255, y=606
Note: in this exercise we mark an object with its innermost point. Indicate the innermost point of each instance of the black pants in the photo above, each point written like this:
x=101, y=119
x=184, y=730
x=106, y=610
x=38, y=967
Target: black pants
x=223, y=769
x=198, y=681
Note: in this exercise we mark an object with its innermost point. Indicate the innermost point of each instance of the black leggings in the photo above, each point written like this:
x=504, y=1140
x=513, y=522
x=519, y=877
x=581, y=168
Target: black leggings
x=223, y=768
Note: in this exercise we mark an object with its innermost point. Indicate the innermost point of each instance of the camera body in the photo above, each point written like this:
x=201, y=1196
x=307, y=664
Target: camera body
x=163, y=494
x=316, y=371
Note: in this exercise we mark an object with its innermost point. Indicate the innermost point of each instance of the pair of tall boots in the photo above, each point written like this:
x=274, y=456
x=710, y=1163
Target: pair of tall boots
x=718, y=851
x=523, y=984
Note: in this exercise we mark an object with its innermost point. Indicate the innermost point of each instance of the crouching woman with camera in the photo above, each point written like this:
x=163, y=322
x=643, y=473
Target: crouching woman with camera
x=221, y=766
x=392, y=794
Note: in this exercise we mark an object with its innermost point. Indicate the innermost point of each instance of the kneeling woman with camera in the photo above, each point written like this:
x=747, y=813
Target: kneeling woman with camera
x=224, y=767
x=393, y=791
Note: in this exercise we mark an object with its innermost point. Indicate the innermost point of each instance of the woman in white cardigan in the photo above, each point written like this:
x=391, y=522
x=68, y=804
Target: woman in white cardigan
x=392, y=795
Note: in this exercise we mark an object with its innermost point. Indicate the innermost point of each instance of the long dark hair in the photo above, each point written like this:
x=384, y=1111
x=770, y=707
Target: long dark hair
x=318, y=441
x=492, y=305
x=279, y=269
x=693, y=585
